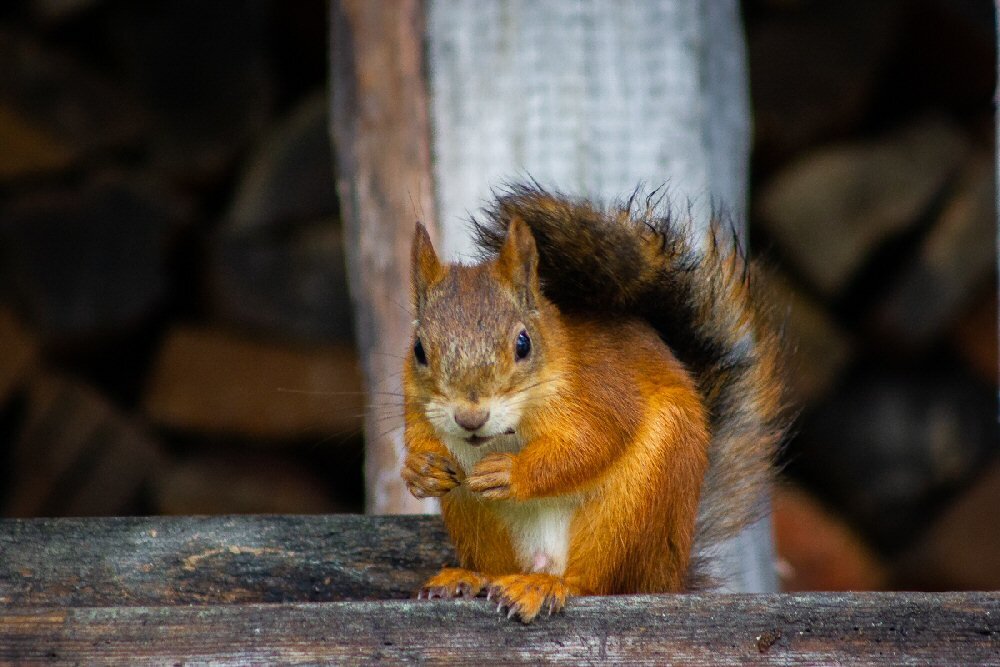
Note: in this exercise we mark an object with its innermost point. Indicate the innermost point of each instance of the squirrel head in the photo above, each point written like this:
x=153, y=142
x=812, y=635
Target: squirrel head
x=480, y=342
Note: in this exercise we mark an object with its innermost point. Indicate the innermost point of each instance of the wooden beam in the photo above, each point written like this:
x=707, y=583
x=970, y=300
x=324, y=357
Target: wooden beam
x=153, y=561
x=234, y=590
x=873, y=628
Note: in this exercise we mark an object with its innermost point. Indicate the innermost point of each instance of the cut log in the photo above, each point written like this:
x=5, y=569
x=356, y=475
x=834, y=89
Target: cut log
x=90, y=260
x=289, y=284
x=816, y=69
x=203, y=70
x=954, y=261
x=240, y=483
x=209, y=381
x=889, y=447
x=77, y=453
x=831, y=209
x=817, y=349
x=819, y=551
x=20, y=353
x=975, y=336
x=276, y=264
x=962, y=546
x=289, y=177
x=53, y=111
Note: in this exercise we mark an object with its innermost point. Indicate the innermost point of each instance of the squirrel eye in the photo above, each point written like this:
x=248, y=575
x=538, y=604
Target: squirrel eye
x=419, y=354
x=522, y=346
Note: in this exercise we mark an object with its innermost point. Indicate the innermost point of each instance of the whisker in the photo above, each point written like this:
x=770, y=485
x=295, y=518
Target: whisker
x=382, y=418
x=385, y=433
x=417, y=207
x=405, y=309
x=377, y=417
x=374, y=407
x=390, y=354
x=387, y=378
x=341, y=438
x=318, y=392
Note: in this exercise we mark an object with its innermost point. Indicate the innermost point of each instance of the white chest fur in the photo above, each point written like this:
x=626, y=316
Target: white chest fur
x=539, y=529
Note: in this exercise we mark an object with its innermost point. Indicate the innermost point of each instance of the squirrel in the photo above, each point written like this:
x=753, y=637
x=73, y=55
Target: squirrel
x=597, y=403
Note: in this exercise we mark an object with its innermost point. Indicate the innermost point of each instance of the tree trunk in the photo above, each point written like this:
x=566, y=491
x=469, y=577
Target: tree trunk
x=381, y=134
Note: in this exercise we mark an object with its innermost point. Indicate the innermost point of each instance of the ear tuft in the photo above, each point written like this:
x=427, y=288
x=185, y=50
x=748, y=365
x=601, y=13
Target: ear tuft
x=426, y=269
x=518, y=260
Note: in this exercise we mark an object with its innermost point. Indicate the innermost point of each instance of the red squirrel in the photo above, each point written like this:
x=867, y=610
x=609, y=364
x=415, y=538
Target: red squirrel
x=596, y=404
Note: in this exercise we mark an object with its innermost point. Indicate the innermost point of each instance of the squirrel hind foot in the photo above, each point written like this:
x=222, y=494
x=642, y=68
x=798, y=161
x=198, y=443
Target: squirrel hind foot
x=525, y=596
x=453, y=582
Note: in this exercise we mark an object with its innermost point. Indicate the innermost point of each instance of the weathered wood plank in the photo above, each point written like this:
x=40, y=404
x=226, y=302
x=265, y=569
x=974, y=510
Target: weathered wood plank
x=197, y=588
x=873, y=628
x=203, y=560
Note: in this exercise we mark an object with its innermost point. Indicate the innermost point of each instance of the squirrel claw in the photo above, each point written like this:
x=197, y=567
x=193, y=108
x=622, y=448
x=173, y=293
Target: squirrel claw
x=524, y=595
x=438, y=593
x=453, y=582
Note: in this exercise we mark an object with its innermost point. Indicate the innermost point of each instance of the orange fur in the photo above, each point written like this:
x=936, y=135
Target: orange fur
x=591, y=482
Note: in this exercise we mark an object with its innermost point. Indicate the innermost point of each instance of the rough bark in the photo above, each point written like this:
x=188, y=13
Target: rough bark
x=381, y=131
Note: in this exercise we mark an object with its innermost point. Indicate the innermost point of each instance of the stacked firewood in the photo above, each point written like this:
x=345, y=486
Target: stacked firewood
x=875, y=201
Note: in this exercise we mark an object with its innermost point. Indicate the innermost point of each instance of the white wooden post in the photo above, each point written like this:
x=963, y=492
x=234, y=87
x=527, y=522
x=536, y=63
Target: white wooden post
x=593, y=98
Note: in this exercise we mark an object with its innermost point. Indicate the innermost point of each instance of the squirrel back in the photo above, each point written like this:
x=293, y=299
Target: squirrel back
x=635, y=260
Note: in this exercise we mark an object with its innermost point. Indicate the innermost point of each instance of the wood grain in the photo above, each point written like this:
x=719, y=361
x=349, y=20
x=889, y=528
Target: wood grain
x=216, y=560
x=872, y=629
x=252, y=589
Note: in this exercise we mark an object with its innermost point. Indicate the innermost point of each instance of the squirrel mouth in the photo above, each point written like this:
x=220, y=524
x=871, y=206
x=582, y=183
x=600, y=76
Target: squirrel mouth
x=476, y=440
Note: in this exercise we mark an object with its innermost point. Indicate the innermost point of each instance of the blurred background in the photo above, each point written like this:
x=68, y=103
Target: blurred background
x=176, y=335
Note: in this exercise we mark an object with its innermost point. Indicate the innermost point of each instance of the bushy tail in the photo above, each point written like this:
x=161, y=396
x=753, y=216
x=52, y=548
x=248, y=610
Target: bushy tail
x=633, y=258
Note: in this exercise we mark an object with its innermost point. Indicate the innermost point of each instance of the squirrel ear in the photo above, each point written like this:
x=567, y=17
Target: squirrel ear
x=424, y=265
x=518, y=260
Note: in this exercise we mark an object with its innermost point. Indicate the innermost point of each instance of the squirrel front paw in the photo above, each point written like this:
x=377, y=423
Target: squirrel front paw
x=491, y=478
x=430, y=475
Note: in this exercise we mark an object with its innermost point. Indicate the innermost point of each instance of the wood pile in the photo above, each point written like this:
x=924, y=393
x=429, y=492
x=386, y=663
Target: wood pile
x=176, y=328
x=874, y=199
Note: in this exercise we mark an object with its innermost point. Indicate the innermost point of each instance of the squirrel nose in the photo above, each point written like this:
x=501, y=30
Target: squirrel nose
x=471, y=418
